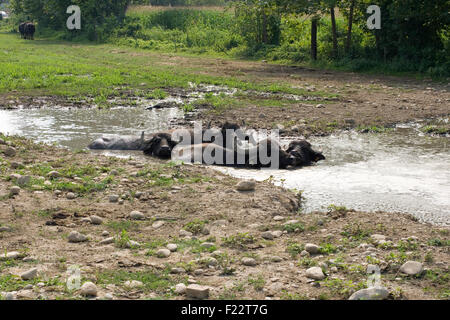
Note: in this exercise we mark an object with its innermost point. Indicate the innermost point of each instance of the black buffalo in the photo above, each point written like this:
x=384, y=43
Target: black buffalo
x=22, y=29
x=160, y=145
x=303, y=154
x=27, y=30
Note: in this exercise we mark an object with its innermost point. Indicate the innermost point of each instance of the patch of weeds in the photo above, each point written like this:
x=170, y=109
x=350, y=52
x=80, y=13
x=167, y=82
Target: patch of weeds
x=225, y=262
x=118, y=226
x=328, y=248
x=157, y=94
x=373, y=129
x=122, y=240
x=407, y=245
x=231, y=293
x=153, y=281
x=285, y=295
x=436, y=242
x=10, y=282
x=196, y=226
x=307, y=262
x=432, y=129
x=238, y=241
x=438, y=277
x=258, y=283
x=294, y=249
x=343, y=288
x=293, y=227
x=428, y=257
x=356, y=232
x=396, y=258
x=338, y=209
x=194, y=245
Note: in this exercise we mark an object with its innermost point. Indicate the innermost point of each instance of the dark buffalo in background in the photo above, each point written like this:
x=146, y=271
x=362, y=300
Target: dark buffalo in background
x=30, y=29
x=22, y=29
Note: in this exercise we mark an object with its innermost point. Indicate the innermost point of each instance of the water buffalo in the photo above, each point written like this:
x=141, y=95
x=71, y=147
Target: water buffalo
x=160, y=145
x=115, y=142
x=22, y=29
x=29, y=31
x=303, y=153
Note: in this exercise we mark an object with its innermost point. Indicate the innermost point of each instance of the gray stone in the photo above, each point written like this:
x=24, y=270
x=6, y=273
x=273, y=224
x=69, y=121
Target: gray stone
x=71, y=196
x=197, y=292
x=207, y=245
x=136, y=215
x=172, y=247
x=278, y=218
x=15, y=190
x=2, y=141
x=108, y=296
x=304, y=253
x=157, y=224
x=10, y=255
x=163, y=253
x=276, y=259
x=10, y=296
x=23, y=180
x=312, y=248
x=411, y=268
x=177, y=270
x=184, y=233
x=180, y=288
x=247, y=261
x=88, y=289
x=132, y=244
x=10, y=152
x=373, y=293
x=246, y=185
x=378, y=237
x=30, y=274
x=107, y=241
x=277, y=233
x=267, y=235
x=315, y=273
x=75, y=237
x=133, y=284
x=5, y=229
x=113, y=198
x=96, y=220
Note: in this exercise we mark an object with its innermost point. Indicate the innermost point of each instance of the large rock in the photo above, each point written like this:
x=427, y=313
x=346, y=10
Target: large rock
x=267, y=235
x=312, y=248
x=10, y=152
x=96, y=220
x=247, y=261
x=315, y=273
x=136, y=215
x=10, y=255
x=411, y=268
x=197, y=292
x=75, y=237
x=180, y=288
x=30, y=274
x=373, y=293
x=23, y=180
x=15, y=190
x=88, y=289
x=246, y=185
x=163, y=253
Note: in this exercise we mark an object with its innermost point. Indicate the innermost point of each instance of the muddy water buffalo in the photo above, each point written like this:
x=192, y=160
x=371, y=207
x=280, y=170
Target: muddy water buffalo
x=115, y=142
x=303, y=153
x=160, y=145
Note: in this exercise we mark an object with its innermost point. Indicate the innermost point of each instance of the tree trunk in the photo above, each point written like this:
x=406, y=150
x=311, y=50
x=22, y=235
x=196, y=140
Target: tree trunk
x=314, y=21
x=350, y=26
x=334, y=32
x=264, y=27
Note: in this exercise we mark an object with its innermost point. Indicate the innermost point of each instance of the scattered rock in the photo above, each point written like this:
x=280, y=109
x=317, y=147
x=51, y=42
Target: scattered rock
x=312, y=248
x=10, y=255
x=15, y=190
x=23, y=180
x=5, y=229
x=108, y=296
x=207, y=245
x=411, y=268
x=133, y=284
x=10, y=296
x=172, y=247
x=180, y=288
x=247, y=261
x=88, y=289
x=378, y=237
x=197, y=292
x=96, y=220
x=267, y=235
x=136, y=215
x=276, y=259
x=105, y=233
x=246, y=185
x=304, y=253
x=132, y=244
x=75, y=237
x=71, y=196
x=157, y=224
x=277, y=233
x=163, y=253
x=373, y=293
x=107, y=241
x=30, y=274
x=177, y=270
x=278, y=218
x=184, y=233
x=53, y=174
x=315, y=273
x=10, y=152
x=113, y=198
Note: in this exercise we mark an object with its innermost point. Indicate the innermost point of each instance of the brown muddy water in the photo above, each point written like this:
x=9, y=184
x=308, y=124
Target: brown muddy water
x=399, y=171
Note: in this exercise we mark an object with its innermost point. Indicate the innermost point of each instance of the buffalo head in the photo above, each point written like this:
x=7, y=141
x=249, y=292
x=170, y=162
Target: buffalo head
x=160, y=145
x=303, y=154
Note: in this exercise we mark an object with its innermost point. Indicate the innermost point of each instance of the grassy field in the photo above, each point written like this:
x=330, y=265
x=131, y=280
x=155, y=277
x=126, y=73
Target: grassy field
x=66, y=68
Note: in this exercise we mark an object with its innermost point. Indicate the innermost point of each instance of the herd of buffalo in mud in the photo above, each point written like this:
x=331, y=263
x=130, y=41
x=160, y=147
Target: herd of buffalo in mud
x=242, y=151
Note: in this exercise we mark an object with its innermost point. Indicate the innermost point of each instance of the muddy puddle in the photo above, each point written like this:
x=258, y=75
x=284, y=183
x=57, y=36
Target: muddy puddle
x=399, y=171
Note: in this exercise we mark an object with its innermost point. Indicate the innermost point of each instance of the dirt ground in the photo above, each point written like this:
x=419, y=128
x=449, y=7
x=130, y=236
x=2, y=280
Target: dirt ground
x=239, y=244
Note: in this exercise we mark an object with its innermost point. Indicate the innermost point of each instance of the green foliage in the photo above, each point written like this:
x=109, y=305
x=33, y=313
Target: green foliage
x=238, y=241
